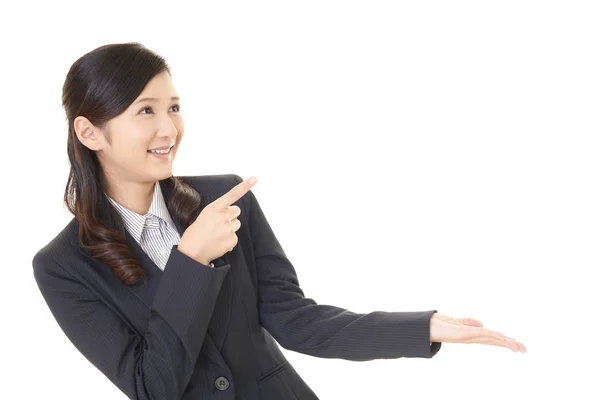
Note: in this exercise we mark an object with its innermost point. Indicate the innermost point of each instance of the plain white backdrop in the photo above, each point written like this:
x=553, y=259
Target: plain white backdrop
x=409, y=155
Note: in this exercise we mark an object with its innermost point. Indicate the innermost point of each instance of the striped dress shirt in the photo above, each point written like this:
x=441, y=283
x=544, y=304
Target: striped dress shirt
x=155, y=231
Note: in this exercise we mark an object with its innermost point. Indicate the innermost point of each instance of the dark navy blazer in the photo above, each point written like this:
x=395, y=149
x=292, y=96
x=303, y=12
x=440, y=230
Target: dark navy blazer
x=194, y=332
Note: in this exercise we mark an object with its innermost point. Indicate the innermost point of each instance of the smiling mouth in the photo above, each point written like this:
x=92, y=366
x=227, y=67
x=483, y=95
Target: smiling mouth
x=160, y=151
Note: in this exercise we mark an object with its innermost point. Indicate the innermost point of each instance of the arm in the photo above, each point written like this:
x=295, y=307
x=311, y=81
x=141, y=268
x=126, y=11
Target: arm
x=157, y=364
x=300, y=324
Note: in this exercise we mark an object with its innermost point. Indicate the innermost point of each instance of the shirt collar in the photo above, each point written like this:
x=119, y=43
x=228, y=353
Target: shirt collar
x=135, y=222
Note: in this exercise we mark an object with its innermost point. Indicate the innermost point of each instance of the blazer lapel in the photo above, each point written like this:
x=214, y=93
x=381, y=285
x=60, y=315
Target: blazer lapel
x=219, y=323
x=144, y=290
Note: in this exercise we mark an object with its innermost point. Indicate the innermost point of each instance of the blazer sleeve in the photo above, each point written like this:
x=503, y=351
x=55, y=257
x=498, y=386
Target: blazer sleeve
x=300, y=324
x=156, y=364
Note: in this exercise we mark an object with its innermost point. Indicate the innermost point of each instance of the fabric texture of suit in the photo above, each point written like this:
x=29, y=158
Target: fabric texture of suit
x=194, y=332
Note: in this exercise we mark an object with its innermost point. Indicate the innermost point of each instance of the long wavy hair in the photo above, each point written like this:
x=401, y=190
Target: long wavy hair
x=100, y=85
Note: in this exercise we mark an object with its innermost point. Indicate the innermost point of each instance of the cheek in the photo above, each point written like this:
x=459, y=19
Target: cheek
x=133, y=153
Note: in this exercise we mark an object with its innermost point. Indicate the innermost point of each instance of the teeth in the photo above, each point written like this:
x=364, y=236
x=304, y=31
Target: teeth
x=160, y=151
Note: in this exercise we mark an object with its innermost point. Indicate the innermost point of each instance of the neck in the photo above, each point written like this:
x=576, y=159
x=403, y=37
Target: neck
x=136, y=196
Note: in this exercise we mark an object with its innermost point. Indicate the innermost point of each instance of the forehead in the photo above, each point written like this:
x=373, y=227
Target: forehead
x=161, y=87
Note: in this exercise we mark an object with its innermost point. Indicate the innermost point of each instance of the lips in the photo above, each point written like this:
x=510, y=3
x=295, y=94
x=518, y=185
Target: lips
x=158, y=151
x=164, y=147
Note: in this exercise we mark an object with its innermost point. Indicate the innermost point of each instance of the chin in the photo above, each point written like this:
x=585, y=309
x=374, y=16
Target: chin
x=163, y=174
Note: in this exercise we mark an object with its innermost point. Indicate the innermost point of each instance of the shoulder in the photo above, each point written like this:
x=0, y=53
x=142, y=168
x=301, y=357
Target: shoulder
x=216, y=179
x=64, y=245
x=211, y=184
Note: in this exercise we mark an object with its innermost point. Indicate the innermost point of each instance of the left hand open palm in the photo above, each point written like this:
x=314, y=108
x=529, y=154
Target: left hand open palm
x=468, y=330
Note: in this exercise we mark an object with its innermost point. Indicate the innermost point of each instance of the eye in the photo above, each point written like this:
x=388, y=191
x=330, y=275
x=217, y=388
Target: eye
x=177, y=106
x=145, y=108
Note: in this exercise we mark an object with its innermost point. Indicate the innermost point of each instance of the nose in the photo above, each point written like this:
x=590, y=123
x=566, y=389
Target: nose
x=167, y=128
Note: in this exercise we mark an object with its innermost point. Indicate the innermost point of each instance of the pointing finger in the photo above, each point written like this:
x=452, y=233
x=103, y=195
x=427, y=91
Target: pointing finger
x=235, y=193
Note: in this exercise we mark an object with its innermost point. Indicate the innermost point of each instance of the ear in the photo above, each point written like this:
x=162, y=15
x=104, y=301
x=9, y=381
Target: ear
x=90, y=136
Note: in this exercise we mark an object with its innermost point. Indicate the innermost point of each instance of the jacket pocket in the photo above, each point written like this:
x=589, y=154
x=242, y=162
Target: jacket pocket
x=271, y=373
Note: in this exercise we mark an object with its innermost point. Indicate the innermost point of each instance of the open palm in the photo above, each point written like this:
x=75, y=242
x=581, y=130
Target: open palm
x=468, y=330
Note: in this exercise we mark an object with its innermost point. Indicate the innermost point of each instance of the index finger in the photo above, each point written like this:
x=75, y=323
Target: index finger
x=235, y=193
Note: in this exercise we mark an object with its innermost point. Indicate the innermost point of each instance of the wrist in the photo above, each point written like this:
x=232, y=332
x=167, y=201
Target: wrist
x=194, y=257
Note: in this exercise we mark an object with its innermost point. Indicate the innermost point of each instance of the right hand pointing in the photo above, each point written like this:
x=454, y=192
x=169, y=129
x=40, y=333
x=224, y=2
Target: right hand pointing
x=212, y=234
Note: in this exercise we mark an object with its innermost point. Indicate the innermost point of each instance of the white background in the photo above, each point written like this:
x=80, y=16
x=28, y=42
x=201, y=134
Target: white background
x=409, y=155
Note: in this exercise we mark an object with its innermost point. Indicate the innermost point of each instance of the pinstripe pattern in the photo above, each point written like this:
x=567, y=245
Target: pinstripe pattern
x=155, y=231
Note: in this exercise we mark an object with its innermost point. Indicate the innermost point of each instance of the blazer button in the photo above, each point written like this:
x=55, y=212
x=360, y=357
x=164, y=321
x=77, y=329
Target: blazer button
x=222, y=383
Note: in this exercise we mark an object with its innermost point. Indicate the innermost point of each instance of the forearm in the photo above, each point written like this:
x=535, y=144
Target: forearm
x=333, y=332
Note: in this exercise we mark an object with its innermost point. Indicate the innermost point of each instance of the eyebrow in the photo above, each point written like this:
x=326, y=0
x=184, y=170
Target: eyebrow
x=153, y=99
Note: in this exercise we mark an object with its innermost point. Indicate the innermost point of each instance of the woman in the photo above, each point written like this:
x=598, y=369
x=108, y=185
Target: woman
x=176, y=287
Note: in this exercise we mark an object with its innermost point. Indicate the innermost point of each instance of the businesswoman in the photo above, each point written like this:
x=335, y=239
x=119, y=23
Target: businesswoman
x=176, y=287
